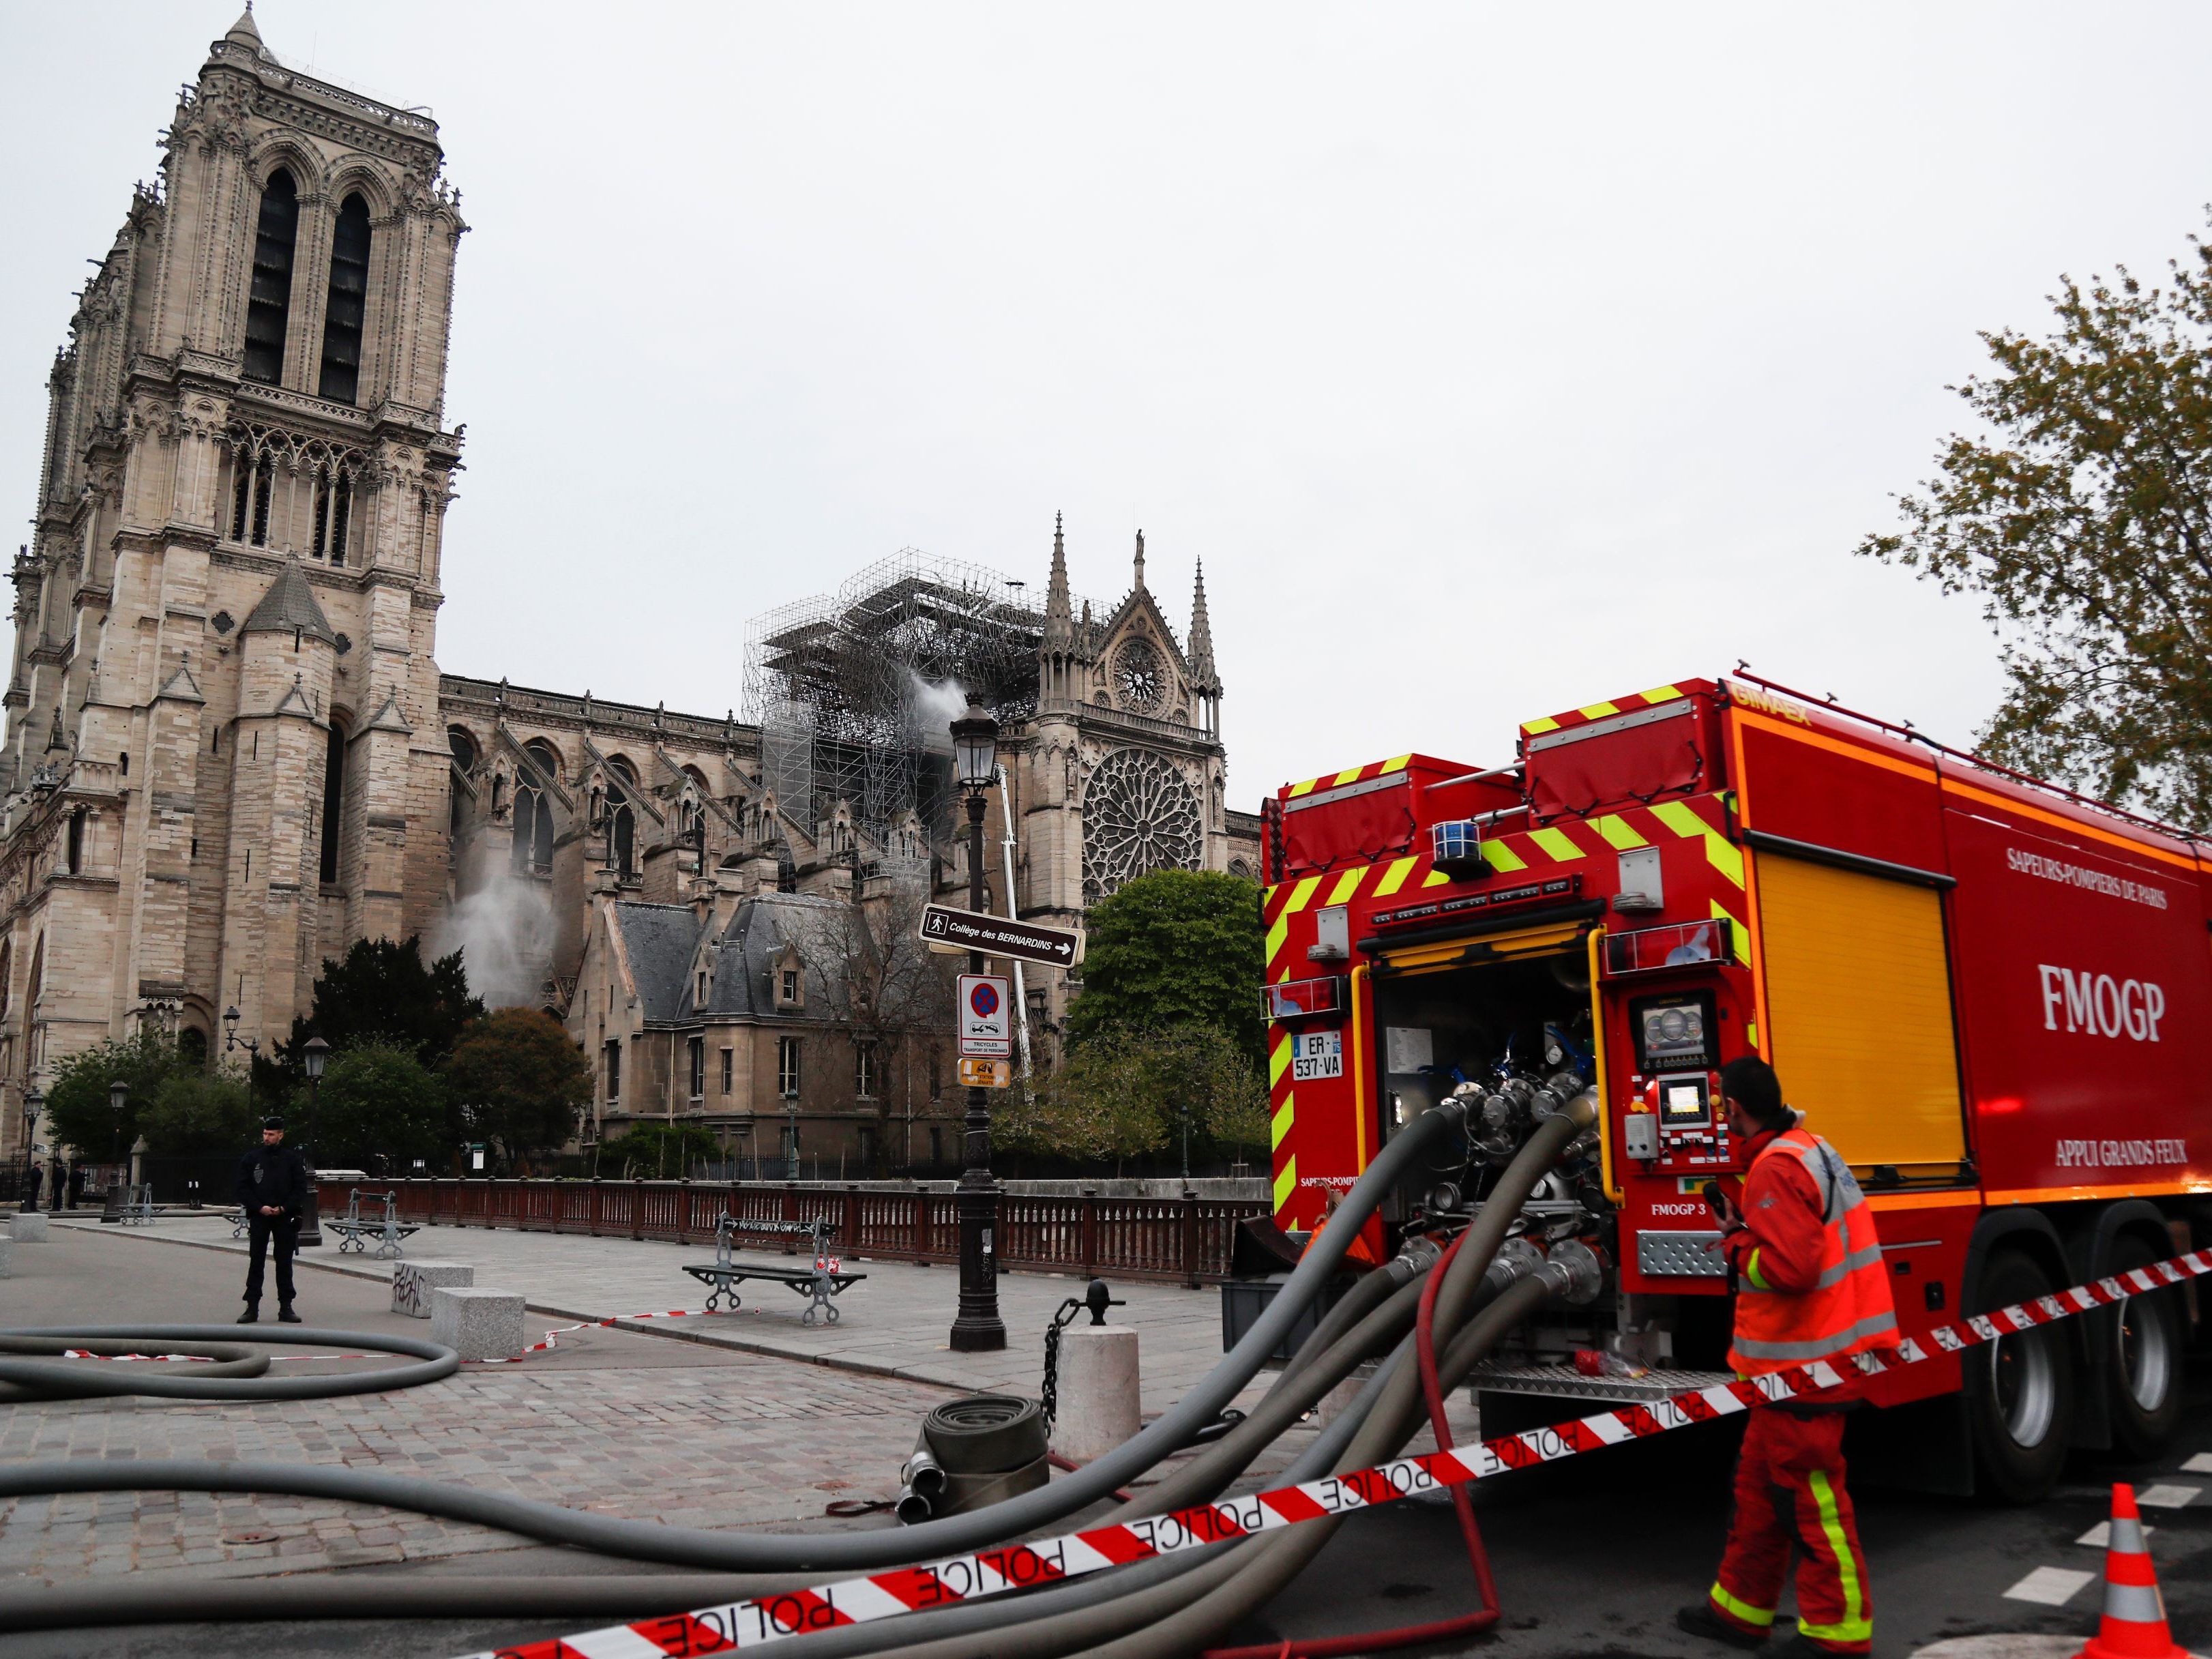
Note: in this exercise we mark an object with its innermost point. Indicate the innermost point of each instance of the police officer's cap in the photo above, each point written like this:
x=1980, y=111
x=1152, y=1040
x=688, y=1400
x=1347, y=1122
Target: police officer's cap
x=272, y=1123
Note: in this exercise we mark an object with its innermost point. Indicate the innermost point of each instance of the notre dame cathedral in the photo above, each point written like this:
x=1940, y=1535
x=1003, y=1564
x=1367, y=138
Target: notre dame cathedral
x=230, y=752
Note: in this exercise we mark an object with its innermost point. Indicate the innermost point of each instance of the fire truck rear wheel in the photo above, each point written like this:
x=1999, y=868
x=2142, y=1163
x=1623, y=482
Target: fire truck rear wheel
x=2147, y=1340
x=2019, y=1388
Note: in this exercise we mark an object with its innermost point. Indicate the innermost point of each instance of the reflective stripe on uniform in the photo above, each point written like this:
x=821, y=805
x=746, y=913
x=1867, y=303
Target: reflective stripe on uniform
x=1854, y=1625
x=1742, y=1612
x=1818, y=1348
x=1752, y=1276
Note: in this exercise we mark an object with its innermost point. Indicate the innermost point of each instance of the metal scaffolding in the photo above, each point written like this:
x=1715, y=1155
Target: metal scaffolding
x=854, y=691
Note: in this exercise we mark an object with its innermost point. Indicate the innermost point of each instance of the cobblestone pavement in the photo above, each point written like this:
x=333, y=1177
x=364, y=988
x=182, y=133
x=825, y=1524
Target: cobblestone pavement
x=625, y=1422
x=895, y=1322
x=627, y=1425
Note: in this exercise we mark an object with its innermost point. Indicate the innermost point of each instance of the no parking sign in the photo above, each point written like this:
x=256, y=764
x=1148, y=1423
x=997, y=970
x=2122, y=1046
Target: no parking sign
x=984, y=1013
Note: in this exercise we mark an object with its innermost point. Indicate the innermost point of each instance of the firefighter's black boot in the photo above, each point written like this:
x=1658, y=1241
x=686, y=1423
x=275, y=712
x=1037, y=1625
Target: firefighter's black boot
x=1702, y=1620
x=286, y=1316
x=251, y=1315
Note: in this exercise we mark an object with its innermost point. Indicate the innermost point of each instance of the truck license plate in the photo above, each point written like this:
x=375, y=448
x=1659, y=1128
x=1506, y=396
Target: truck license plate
x=1317, y=1055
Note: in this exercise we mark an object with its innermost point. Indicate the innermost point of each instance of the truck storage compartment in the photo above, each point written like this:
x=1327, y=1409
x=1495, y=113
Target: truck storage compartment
x=1858, y=996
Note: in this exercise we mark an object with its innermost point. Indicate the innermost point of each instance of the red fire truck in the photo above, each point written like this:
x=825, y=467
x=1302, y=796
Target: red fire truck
x=1994, y=997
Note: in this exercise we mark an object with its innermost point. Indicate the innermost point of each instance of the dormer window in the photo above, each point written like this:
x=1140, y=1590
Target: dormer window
x=790, y=991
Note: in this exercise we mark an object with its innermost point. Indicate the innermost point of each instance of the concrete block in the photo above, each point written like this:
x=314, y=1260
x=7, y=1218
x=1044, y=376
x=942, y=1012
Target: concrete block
x=1100, y=1402
x=478, y=1322
x=27, y=1227
x=6, y=1266
x=413, y=1281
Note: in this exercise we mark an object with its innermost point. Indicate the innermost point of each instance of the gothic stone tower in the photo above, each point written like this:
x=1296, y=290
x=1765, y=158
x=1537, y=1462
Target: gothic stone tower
x=223, y=758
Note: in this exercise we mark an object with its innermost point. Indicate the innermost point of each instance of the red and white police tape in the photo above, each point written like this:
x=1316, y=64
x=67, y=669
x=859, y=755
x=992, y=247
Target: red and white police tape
x=1017, y=1566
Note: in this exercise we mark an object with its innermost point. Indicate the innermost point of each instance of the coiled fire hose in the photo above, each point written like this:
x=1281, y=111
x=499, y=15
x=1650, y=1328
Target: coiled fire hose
x=1145, y=1590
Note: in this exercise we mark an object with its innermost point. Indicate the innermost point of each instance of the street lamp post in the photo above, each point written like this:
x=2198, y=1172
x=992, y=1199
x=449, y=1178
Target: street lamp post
x=118, y=1096
x=978, y=1327
x=314, y=1054
x=231, y=1040
x=32, y=1101
x=791, y=1130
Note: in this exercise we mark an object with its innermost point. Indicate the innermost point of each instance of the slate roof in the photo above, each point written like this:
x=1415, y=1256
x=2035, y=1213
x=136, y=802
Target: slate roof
x=662, y=941
x=289, y=603
x=657, y=938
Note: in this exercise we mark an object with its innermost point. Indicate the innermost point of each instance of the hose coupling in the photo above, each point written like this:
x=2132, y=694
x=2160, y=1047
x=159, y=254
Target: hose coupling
x=1574, y=1272
x=1517, y=1258
x=912, y=1508
x=1415, y=1257
x=923, y=1476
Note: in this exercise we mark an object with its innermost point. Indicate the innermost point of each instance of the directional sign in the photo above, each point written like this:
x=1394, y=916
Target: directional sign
x=984, y=1012
x=985, y=1074
x=950, y=931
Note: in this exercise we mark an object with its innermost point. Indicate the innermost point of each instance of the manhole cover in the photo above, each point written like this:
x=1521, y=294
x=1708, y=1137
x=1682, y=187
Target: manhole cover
x=252, y=1537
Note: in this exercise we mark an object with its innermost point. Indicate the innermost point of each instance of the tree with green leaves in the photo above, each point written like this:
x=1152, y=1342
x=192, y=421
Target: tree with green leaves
x=198, y=1112
x=380, y=1109
x=381, y=989
x=2080, y=512
x=1130, y=1094
x=78, y=1112
x=520, y=1080
x=657, y=1151
x=1176, y=947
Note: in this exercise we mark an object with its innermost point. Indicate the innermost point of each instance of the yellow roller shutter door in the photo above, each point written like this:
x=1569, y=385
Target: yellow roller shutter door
x=1858, y=995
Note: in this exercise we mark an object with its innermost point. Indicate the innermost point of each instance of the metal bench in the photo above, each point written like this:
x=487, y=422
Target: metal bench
x=824, y=1279
x=356, y=1231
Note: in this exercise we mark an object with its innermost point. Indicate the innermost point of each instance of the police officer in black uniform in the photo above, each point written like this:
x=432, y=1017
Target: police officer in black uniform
x=272, y=1187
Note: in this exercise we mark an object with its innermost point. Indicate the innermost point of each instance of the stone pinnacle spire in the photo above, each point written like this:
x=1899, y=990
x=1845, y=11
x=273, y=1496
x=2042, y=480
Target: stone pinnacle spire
x=1204, y=675
x=1140, y=562
x=1059, y=611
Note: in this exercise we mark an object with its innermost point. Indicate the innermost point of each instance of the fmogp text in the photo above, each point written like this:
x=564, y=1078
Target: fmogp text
x=2100, y=1005
x=959, y=1578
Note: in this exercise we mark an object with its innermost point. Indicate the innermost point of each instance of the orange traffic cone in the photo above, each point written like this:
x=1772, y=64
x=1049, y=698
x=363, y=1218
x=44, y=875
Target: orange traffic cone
x=2134, y=1625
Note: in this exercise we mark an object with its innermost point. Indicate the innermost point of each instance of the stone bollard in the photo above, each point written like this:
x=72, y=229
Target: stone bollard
x=1099, y=1403
x=477, y=1323
x=6, y=1266
x=413, y=1281
x=28, y=1227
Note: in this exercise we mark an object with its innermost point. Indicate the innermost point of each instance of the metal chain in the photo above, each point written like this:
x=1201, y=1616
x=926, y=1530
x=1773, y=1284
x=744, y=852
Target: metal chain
x=1050, y=1403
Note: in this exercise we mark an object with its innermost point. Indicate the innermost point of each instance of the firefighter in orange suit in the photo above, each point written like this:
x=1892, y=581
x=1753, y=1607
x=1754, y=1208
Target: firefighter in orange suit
x=1809, y=1284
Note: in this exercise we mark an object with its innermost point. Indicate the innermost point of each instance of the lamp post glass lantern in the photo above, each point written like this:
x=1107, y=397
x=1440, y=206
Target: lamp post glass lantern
x=118, y=1096
x=32, y=1101
x=978, y=1327
x=314, y=1054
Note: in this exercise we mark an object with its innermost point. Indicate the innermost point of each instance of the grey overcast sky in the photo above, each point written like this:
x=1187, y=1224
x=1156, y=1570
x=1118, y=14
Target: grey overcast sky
x=1495, y=359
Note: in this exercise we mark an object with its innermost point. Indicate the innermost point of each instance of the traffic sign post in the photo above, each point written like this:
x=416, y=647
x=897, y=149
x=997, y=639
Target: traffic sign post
x=951, y=932
x=984, y=1008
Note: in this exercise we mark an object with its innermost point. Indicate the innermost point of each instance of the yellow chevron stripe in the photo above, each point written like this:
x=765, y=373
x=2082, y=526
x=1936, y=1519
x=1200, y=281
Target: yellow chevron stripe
x=1500, y=857
x=1677, y=816
x=1536, y=727
x=1287, y=1183
x=1280, y=1061
x=1435, y=878
x=1395, y=763
x=1300, y=895
x=1350, y=775
x=1736, y=933
x=1556, y=843
x=1751, y=1034
x=1276, y=935
x=1305, y=788
x=1661, y=693
x=1394, y=878
x=1617, y=833
x=1724, y=856
x=1279, y=1125
x=1346, y=884
x=1598, y=711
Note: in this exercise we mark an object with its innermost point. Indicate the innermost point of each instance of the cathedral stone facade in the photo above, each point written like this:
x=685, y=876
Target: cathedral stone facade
x=230, y=754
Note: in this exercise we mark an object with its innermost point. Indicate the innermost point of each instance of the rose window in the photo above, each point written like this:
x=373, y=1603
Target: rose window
x=1139, y=814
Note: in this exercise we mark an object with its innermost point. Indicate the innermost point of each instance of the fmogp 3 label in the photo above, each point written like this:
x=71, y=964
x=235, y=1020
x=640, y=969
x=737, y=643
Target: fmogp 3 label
x=962, y=1577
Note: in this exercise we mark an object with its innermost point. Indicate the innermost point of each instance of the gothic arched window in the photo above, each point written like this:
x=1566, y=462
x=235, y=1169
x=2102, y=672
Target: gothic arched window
x=1139, y=814
x=624, y=834
x=77, y=841
x=349, y=303
x=269, y=302
x=333, y=799
x=545, y=758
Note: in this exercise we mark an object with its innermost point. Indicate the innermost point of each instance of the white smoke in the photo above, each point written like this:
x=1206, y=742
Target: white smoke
x=932, y=707
x=505, y=933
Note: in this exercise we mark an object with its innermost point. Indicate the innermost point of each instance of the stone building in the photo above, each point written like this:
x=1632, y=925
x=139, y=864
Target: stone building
x=229, y=752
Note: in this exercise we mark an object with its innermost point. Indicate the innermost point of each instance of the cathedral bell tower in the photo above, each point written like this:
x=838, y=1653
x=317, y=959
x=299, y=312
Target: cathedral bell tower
x=229, y=608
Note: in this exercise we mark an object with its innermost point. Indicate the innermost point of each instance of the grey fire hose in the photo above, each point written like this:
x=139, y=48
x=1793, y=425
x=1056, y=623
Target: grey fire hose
x=1222, y=1584
x=803, y=1553
x=232, y=1371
